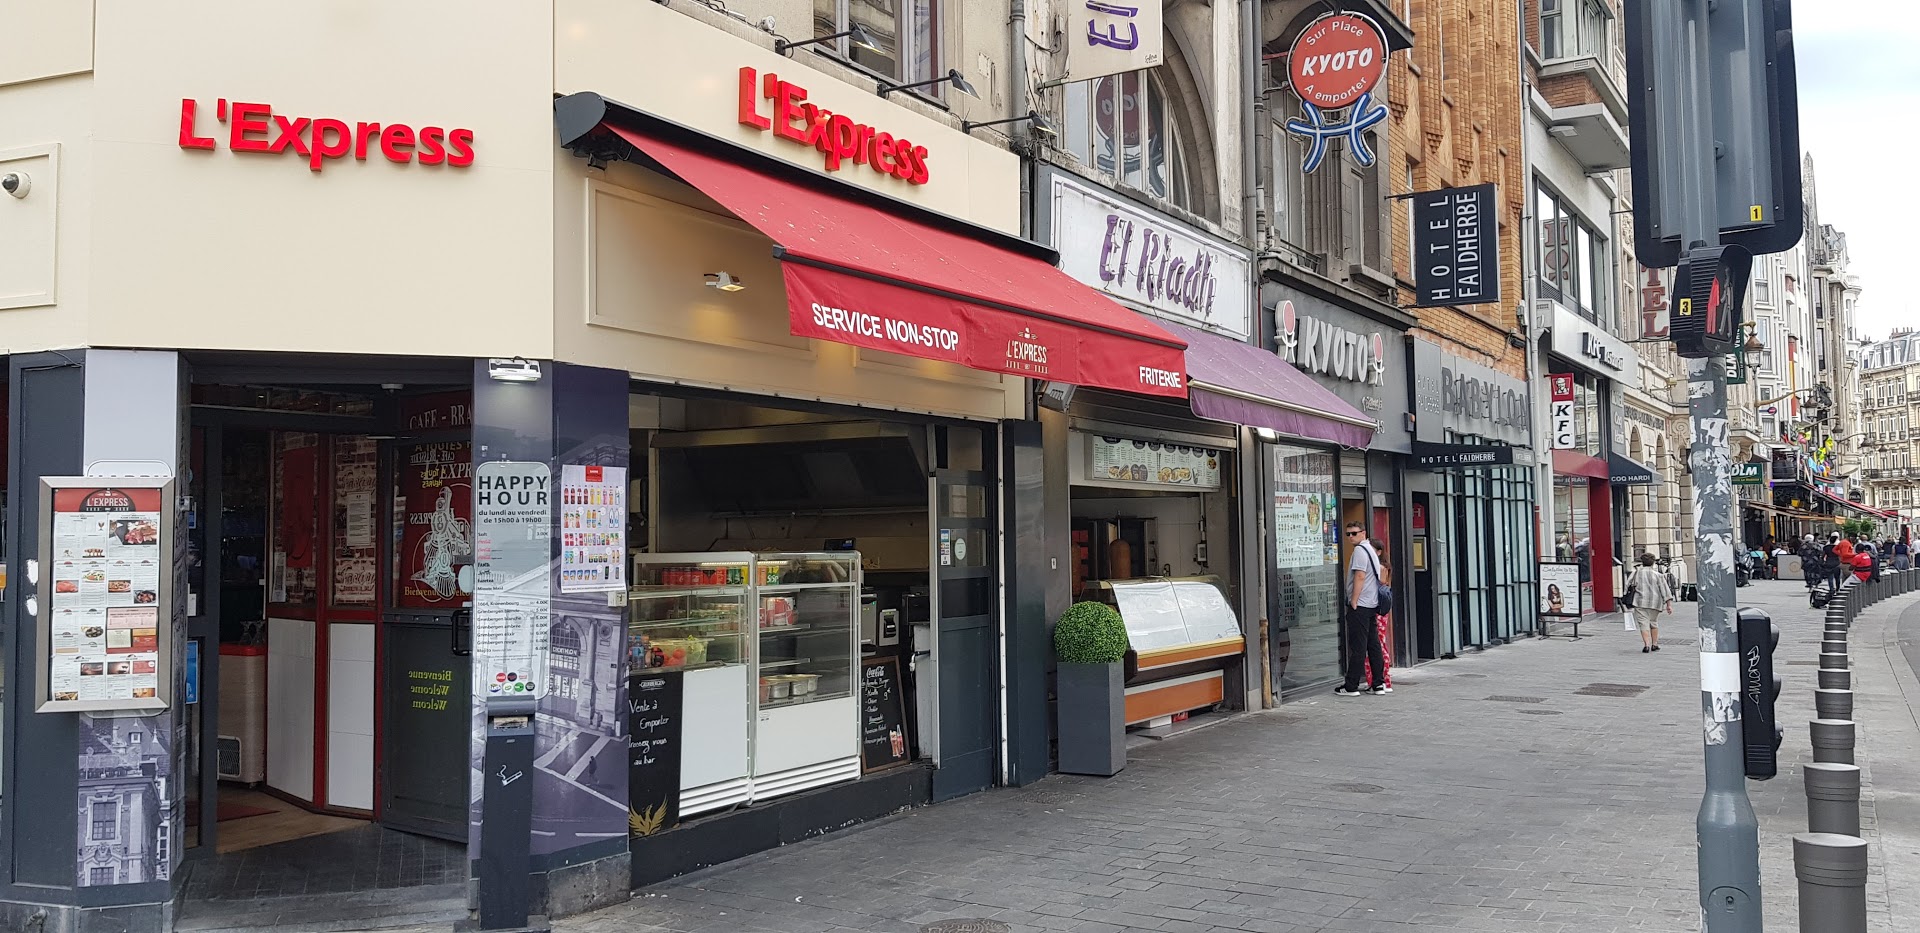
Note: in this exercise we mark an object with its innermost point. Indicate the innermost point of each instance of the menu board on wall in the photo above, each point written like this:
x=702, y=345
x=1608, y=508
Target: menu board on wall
x=1124, y=460
x=108, y=552
x=593, y=528
x=436, y=543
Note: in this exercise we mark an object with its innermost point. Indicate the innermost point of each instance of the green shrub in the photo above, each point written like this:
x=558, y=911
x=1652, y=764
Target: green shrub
x=1090, y=633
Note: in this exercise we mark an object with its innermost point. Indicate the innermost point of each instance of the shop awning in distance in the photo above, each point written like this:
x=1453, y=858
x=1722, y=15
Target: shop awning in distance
x=860, y=275
x=1623, y=471
x=1239, y=383
x=1852, y=506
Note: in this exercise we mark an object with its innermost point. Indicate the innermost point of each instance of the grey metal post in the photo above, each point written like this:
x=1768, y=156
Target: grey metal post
x=1833, y=704
x=1729, y=834
x=1836, y=680
x=1831, y=661
x=1833, y=882
x=1832, y=740
x=1833, y=797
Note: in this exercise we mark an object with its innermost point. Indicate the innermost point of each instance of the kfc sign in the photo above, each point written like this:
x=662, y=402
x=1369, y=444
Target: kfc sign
x=256, y=128
x=841, y=141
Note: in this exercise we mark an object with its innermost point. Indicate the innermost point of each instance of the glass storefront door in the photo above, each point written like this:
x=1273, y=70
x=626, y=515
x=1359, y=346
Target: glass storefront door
x=1303, y=588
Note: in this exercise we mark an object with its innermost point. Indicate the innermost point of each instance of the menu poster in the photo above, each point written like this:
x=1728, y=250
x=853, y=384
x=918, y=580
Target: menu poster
x=107, y=554
x=593, y=528
x=883, y=716
x=655, y=703
x=512, y=540
x=1119, y=459
x=1300, y=524
x=436, y=543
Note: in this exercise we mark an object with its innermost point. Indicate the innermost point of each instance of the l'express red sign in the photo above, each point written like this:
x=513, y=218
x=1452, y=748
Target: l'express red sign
x=838, y=137
x=256, y=128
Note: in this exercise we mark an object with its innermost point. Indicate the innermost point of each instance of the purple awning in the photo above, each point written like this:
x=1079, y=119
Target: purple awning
x=1240, y=383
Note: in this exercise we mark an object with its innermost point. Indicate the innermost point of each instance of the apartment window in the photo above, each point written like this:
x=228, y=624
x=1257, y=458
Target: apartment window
x=104, y=819
x=1763, y=284
x=1338, y=214
x=1126, y=126
x=1574, y=264
x=1575, y=28
x=907, y=32
x=100, y=874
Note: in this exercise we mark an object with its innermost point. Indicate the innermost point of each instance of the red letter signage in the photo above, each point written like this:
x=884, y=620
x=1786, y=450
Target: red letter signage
x=256, y=128
x=839, y=138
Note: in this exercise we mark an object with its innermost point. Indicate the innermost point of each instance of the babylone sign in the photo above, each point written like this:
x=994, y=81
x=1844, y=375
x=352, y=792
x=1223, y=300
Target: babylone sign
x=1336, y=63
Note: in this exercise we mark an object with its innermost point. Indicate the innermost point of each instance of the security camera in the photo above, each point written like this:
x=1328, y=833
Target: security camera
x=15, y=183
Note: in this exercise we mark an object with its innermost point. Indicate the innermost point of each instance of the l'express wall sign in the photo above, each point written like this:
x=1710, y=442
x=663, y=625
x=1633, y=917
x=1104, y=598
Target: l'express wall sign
x=841, y=141
x=256, y=128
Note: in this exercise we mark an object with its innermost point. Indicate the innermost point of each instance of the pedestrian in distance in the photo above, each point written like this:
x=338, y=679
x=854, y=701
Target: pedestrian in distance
x=1652, y=594
x=1384, y=675
x=1361, y=626
x=1902, y=555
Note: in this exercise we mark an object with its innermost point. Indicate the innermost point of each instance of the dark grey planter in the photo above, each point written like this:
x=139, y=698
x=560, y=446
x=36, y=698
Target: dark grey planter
x=1093, y=721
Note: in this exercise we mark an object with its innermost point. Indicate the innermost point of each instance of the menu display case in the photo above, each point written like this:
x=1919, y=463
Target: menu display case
x=1182, y=633
x=766, y=645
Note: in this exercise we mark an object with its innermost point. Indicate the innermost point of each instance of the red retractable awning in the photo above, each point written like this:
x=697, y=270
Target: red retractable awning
x=858, y=275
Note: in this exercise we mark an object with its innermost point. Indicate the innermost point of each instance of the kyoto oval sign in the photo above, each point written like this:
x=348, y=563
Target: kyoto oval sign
x=1336, y=59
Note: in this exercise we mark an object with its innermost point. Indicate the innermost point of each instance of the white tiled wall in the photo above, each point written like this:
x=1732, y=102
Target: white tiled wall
x=350, y=715
x=290, y=719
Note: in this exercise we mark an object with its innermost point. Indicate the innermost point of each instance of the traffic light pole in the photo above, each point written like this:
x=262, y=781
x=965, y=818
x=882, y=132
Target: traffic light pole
x=1729, y=834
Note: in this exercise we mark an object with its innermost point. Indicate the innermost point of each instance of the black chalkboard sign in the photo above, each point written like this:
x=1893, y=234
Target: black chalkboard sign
x=655, y=702
x=883, y=716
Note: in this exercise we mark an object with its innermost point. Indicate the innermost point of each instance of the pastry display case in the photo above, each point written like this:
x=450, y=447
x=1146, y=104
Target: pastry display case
x=767, y=645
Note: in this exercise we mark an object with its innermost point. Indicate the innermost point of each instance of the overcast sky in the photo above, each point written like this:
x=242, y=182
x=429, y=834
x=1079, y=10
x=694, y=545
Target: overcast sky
x=1859, y=107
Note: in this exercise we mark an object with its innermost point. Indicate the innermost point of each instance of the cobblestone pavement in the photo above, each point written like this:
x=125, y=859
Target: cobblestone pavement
x=1509, y=790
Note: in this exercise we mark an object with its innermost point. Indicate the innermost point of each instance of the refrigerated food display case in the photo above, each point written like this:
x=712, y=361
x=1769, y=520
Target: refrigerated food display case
x=767, y=644
x=1182, y=635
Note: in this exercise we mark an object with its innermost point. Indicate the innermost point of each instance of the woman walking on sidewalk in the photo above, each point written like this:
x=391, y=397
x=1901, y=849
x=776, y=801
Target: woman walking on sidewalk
x=1651, y=593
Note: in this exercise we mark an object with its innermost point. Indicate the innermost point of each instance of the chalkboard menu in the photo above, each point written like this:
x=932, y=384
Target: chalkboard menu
x=883, y=716
x=655, y=702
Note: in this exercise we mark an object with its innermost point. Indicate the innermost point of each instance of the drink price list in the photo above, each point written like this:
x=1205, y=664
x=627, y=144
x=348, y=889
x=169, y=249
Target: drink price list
x=593, y=528
x=104, y=614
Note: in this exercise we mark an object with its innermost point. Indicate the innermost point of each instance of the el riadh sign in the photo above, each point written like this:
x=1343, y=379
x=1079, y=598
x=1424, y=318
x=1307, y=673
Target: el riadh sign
x=256, y=128
x=1456, y=246
x=843, y=142
x=1155, y=263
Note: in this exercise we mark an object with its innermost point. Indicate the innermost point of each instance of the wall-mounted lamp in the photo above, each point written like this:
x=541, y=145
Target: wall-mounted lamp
x=858, y=37
x=1563, y=130
x=1751, y=350
x=725, y=282
x=515, y=369
x=1266, y=434
x=1040, y=124
x=953, y=75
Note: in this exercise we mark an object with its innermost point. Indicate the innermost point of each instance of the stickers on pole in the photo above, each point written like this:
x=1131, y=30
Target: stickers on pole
x=512, y=522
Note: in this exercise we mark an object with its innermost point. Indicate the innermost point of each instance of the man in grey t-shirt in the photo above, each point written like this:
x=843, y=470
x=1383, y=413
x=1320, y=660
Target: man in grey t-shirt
x=1361, y=628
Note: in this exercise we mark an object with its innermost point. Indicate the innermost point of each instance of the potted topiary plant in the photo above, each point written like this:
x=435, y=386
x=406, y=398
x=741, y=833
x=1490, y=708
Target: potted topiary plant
x=1090, y=641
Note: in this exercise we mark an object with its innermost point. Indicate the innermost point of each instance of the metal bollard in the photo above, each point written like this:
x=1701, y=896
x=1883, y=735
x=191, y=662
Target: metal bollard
x=1833, y=882
x=1836, y=680
x=1831, y=661
x=1833, y=797
x=1832, y=740
x=1830, y=646
x=1833, y=704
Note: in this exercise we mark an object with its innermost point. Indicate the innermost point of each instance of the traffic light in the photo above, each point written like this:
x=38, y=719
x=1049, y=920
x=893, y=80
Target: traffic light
x=1759, y=688
x=1708, y=292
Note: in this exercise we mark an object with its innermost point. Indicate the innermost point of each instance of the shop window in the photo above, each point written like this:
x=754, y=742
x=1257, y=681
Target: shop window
x=1128, y=127
x=1305, y=587
x=907, y=33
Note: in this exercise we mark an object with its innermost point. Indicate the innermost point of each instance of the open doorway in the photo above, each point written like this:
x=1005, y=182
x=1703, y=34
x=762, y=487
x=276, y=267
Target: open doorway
x=331, y=574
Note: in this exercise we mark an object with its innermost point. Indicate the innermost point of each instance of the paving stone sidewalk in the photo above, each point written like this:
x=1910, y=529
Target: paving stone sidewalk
x=1545, y=786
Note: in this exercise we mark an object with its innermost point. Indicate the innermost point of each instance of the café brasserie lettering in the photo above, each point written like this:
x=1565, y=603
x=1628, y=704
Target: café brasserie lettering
x=839, y=139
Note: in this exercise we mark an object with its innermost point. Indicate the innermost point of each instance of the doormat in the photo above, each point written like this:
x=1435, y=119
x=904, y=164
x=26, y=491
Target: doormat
x=228, y=811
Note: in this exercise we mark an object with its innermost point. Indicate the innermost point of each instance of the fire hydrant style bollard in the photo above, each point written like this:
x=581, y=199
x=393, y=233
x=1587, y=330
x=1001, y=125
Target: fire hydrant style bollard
x=1833, y=882
x=1833, y=797
x=1836, y=680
